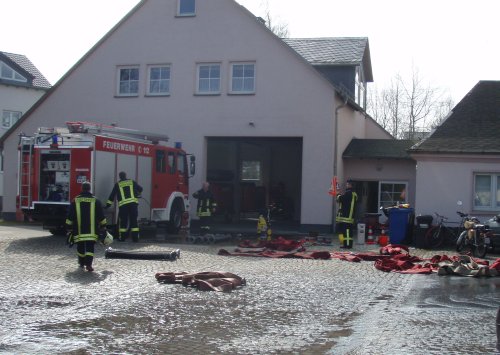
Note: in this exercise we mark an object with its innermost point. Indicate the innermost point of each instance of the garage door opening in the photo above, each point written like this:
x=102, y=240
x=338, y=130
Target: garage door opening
x=249, y=175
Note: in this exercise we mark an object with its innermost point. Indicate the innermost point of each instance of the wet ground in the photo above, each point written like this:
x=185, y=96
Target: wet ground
x=289, y=306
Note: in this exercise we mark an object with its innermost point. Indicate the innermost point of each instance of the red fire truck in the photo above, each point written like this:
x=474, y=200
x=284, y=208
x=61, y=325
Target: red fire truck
x=54, y=162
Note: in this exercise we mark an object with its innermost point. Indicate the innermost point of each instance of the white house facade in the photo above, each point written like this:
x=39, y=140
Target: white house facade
x=21, y=85
x=255, y=113
x=451, y=183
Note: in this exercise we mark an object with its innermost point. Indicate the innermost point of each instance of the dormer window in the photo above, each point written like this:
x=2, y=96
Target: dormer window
x=8, y=73
x=187, y=8
x=360, y=88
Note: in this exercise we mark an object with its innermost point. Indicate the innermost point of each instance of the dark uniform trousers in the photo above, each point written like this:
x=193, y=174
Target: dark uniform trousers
x=204, y=209
x=345, y=217
x=86, y=219
x=85, y=252
x=127, y=192
x=127, y=216
x=346, y=229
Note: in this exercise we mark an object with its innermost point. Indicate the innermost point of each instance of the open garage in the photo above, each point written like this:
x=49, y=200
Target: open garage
x=249, y=174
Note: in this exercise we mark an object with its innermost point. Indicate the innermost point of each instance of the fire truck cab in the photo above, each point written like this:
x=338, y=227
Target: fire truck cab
x=54, y=162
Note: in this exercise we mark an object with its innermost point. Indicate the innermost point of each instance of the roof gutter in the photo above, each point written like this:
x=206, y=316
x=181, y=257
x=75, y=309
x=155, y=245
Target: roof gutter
x=335, y=154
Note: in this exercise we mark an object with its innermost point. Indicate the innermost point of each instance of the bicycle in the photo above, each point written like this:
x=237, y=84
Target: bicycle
x=438, y=234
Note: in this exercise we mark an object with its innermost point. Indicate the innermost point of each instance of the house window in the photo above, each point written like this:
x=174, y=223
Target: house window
x=187, y=8
x=487, y=191
x=8, y=73
x=208, y=79
x=359, y=89
x=159, y=80
x=392, y=193
x=128, y=84
x=251, y=170
x=9, y=118
x=243, y=78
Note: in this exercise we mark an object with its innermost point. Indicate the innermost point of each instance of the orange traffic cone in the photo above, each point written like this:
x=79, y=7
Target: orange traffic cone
x=370, y=239
x=383, y=240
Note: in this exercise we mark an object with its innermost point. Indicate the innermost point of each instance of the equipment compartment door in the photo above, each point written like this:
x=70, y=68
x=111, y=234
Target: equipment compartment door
x=54, y=175
x=144, y=179
x=105, y=174
x=80, y=169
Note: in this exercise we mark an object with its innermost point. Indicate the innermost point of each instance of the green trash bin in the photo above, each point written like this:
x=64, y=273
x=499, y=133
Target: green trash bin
x=399, y=220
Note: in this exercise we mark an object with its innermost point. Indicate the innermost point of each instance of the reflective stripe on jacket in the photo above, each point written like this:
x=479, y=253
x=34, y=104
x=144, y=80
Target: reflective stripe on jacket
x=126, y=191
x=85, y=217
x=206, y=203
x=347, y=202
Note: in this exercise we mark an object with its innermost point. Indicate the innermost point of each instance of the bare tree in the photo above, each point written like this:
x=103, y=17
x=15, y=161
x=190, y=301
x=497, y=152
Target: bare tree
x=385, y=106
x=279, y=28
x=393, y=99
x=421, y=101
x=377, y=108
x=442, y=110
x=408, y=108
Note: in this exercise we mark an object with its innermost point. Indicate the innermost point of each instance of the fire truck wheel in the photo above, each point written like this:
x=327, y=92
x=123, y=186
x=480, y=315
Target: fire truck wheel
x=175, y=223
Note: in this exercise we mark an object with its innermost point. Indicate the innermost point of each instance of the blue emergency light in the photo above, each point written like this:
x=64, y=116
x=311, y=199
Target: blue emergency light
x=54, y=141
x=178, y=145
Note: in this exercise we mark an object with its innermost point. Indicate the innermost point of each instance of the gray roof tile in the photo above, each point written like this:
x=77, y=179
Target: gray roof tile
x=473, y=127
x=22, y=61
x=378, y=149
x=334, y=51
x=341, y=50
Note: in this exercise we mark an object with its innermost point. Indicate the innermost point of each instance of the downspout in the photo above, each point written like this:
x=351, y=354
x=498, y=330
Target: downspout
x=335, y=149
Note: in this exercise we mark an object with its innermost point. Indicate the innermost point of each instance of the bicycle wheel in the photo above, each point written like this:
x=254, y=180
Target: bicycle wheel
x=434, y=237
x=479, y=248
x=460, y=245
x=453, y=236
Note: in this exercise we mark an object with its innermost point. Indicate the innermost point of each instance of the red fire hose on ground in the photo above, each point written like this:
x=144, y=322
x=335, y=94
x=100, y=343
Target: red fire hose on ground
x=203, y=281
x=391, y=258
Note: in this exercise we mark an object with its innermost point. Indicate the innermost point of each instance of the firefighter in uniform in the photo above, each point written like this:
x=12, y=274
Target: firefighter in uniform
x=127, y=192
x=345, y=215
x=86, y=222
x=206, y=207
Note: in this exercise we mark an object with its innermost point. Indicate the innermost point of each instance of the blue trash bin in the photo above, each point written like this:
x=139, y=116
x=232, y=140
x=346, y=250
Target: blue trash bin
x=398, y=224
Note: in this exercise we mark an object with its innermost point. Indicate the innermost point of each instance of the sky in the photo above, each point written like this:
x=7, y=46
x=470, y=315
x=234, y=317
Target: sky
x=452, y=43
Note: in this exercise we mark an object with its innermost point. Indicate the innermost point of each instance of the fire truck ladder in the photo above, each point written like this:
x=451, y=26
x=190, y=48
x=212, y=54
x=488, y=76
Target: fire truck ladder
x=91, y=127
x=25, y=172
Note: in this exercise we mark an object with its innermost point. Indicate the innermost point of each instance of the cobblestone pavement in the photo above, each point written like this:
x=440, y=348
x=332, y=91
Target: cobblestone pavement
x=289, y=306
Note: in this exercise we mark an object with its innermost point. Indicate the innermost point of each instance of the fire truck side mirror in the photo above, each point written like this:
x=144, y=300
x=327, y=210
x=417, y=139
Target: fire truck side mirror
x=192, y=165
